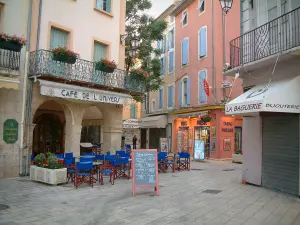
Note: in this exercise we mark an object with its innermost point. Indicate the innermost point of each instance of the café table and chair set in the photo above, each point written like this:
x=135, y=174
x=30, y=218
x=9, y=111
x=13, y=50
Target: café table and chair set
x=176, y=162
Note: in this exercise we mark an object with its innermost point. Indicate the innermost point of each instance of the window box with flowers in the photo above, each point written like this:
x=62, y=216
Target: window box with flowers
x=106, y=65
x=11, y=42
x=139, y=74
x=48, y=170
x=62, y=54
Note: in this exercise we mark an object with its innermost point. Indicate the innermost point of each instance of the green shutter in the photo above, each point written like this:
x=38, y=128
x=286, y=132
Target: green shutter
x=100, y=51
x=133, y=111
x=58, y=38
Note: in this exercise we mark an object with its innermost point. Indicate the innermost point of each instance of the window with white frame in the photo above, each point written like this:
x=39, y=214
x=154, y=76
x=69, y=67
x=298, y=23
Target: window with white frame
x=202, y=77
x=185, y=51
x=163, y=65
x=171, y=39
x=202, y=42
x=184, y=93
x=100, y=51
x=172, y=19
x=104, y=5
x=201, y=6
x=153, y=105
x=171, y=61
x=184, y=19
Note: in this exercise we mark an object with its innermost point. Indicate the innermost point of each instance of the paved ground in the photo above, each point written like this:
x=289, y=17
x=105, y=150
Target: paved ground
x=182, y=201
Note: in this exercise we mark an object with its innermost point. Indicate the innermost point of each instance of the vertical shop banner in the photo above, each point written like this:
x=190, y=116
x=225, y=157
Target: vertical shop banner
x=10, y=131
x=199, y=148
x=164, y=145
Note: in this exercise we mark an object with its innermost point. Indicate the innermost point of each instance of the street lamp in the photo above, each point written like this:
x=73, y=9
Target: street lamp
x=134, y=42
x=226, y=5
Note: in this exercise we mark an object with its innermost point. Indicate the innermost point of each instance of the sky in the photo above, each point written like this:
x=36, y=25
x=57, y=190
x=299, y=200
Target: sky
x=158, y=6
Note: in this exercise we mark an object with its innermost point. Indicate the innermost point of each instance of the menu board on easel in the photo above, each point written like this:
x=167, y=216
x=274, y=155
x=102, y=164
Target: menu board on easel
x=144, y=169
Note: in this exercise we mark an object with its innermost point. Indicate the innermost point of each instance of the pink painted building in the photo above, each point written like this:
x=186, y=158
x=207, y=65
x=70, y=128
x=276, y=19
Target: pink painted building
x=199, y=59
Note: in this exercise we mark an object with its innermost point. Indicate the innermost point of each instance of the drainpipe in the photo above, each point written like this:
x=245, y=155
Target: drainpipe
x=39, y=26
x=24, y=97
x=214, y=90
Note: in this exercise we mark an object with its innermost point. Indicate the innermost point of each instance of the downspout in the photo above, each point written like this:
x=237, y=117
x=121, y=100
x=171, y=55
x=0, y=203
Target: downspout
x=39, y=26
x=214, y=91
x=21, y=172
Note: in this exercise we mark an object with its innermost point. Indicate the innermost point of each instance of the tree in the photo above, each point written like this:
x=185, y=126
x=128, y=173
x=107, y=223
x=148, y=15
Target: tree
x=141, y=26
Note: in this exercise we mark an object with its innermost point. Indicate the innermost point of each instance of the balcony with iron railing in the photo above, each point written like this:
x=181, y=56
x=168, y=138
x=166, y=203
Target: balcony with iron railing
x=82, y=72
x=277, y=36
x=9, y=60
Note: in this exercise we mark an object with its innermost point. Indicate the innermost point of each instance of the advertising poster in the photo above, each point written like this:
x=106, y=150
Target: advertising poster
x=164, y=145
x=227, y=144
x=199, y=148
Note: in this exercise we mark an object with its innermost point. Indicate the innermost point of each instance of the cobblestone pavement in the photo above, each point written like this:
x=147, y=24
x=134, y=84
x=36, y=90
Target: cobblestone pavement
x=181, y=201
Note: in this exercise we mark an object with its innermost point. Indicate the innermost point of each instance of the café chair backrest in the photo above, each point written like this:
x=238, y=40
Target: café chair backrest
x=86, y=159
x=83, y=166
x=69, y=155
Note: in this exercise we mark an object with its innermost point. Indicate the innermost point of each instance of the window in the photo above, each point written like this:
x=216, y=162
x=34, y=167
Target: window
x=170, y=96
x=133, y=111
x=153, y=106
x=202, y=98
x=160, y=98
x=171, y=61
x=201, y=6
x=165, y=47
x=202, y=42
x=104, y=5
x=185, y=51
x=100, y=51
x=1, y=10
x=163, y=65
x=58, y=38
x=171, y=39
x=184, y=19
x=90, y=134
x=185, y=92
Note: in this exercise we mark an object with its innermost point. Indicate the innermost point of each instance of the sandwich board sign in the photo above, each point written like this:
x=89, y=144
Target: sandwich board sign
x=144, y=169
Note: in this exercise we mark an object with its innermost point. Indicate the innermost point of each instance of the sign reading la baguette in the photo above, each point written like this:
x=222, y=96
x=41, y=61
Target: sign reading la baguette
x=85, y=95
x=244, y=108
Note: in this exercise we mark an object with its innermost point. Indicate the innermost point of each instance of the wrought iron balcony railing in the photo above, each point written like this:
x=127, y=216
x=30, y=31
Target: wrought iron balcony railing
x=280, y=34
x=9, y=59
x=42, y=64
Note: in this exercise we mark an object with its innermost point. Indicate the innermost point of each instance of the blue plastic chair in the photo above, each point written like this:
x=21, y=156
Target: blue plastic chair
x=84, y=174
x=60, y=156
x=70, y=165
x=107, y=170
x=122, y=166
x=184, y=161
x=110, y=158
x=69, y=155
x=162, y=158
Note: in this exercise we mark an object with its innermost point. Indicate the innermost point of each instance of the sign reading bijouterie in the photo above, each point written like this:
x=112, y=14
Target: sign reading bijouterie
x=85, y=94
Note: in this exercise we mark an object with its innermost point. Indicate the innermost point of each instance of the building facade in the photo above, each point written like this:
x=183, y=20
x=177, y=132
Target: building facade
x=200, y=88
x=157, y=122
x=58, y=105
x=266, y=57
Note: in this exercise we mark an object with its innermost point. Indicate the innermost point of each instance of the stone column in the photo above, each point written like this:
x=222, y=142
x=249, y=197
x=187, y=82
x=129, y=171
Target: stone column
x=113, y=127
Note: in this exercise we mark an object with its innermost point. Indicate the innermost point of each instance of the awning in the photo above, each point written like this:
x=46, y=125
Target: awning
x=132, y=123
x=67, y=91
x=154, y=122
x=279, y=96
x=9, y=83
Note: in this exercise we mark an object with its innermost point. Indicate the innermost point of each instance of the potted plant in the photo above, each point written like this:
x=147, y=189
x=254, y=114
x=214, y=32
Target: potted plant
x=11, y=42
x=105, y=65
x=48, y=170
x=139, y=74
x=62, y=54
x=206, y=119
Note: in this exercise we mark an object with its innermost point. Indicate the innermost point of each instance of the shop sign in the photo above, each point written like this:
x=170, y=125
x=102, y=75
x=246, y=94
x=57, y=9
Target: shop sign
x=10, y=131
x=199, y=148
x=183, y=123
x=227, y=130
x=132, y=123
x=200, y=122
x=85, y=95
x=164, y=145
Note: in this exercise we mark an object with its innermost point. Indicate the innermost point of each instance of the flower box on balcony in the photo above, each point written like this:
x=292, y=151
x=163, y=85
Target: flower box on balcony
x=64, y=59
x=10, y=46
x=106, y=66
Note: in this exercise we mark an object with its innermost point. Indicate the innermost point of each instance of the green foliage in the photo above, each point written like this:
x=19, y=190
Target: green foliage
x=48, y=154
x=39, y=159
x=53, y=163
x=146, y=30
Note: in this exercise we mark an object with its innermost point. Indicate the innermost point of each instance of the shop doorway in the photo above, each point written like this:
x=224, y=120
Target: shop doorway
x=154, y=137
x=238, y=140
x=203, y=133
x=48, y=134
x=143, y=138
x=183, y=140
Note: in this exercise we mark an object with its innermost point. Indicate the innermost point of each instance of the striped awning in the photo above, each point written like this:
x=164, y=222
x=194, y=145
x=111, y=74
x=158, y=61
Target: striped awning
x=9, y=83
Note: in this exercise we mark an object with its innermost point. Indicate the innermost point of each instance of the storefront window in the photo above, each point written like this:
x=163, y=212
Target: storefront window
x=90, y=134
x=203, y=133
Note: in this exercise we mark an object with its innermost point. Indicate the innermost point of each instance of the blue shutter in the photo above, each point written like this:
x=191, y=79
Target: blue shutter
x=158, y=44
x=133, y=111
x=185, y=57
x=188, y=102
x=160, y=101
x=171, y=61
x=203, y=50
x=108, y=5
x=180, y=94
x=164, y=65
x=170, y=96
x=202, y=94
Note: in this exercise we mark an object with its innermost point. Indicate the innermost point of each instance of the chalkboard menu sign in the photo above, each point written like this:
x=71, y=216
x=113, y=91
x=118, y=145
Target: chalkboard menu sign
x=145, y=169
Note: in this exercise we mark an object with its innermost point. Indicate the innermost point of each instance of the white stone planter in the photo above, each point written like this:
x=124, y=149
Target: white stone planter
x=237, y=158
x=48, y=176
